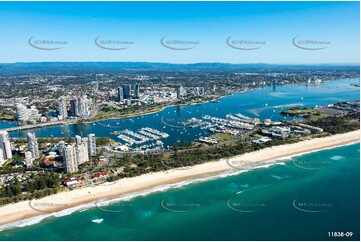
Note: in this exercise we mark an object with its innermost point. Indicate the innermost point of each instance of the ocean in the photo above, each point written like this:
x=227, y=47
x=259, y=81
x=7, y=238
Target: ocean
x=300, y=198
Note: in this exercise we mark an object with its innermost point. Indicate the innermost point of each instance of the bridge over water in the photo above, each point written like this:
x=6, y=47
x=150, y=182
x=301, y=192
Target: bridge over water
x=32, y=126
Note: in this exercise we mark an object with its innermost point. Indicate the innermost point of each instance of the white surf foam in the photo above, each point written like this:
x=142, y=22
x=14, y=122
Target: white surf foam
x=98, y=221
x=38, y=219
x=337, y=157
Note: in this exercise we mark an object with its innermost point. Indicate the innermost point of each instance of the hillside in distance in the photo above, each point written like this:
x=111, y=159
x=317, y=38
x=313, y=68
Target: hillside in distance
x=75, y=68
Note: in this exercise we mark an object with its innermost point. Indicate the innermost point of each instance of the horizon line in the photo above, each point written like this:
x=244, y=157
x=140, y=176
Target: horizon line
x=194, y=63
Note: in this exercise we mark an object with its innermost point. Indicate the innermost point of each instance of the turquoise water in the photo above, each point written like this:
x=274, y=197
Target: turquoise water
x=281, y=202
x=262, y=103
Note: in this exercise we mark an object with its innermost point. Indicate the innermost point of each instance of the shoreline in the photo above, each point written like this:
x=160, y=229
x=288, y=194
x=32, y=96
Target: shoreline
x=133, y=115
x=122, y=116
x=13, y=214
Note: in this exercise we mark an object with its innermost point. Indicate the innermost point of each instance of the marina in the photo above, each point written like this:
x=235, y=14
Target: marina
x=144, y=140
x=236, y=112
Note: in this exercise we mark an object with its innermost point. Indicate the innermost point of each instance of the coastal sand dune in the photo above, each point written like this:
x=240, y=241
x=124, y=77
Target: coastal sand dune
x=23, y=210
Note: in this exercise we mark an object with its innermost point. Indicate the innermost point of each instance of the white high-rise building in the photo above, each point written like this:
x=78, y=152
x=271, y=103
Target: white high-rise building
x=2, y=151
x=81, y=153
x=92, y=145
x=69, y=159
x=84, y=106
x=81, y=150
x=24, y=114
x=33, y=145
x=2, y=158
x=80, y=106
x=29, y=159
x=78, y=139
x=62, y=110
x=5, y=145
x=86, y=148
x=61, y=147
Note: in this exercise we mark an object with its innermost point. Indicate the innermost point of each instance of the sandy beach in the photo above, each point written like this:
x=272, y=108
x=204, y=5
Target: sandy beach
x=24, y=210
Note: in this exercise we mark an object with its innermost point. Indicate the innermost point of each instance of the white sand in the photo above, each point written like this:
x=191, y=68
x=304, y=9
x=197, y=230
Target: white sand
x=22, y=210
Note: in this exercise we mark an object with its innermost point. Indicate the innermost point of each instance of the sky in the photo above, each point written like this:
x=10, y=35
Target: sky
x=257, y=32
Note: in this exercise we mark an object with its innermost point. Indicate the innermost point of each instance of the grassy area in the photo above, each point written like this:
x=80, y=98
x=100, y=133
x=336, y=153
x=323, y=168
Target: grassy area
x=308, y=113
x=257, y=135
x=318, y=116
x=304, y=112
x=7, y=117
x=187, y=146
x=112, y=114
x=223, y=137
x=317, y=135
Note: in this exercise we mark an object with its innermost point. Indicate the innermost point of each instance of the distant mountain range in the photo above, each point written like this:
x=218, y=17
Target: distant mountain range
x=56, y=68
